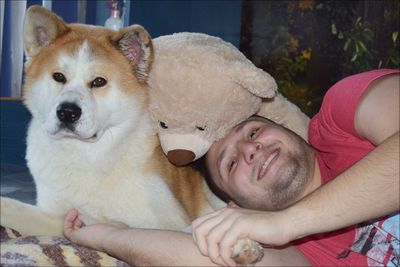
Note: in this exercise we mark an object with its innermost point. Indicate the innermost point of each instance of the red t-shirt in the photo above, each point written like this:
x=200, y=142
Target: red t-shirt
x=338, y=146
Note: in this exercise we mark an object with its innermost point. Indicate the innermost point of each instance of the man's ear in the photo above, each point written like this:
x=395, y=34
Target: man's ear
x=41, y=27
x=135, y=44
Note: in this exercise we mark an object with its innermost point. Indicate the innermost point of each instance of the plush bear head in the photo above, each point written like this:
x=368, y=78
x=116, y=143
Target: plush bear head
x=200, y=87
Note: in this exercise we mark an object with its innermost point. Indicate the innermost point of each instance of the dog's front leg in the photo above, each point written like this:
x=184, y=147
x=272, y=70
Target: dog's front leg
x=28, y=219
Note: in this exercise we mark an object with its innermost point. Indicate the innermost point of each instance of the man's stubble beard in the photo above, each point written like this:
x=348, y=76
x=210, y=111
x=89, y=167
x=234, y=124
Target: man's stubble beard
x=294, y=180
x=287, y=189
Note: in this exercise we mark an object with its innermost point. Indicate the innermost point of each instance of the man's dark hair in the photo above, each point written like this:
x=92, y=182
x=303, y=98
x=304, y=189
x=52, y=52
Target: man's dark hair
x=201, y=166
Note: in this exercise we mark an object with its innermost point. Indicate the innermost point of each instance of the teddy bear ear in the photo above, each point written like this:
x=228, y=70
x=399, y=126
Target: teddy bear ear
x=255, y=80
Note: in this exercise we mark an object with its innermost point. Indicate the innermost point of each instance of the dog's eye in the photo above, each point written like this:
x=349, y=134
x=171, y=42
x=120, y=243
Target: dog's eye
x=163, y=125
x=201, y=128
x=98, y=82
x=59, y=77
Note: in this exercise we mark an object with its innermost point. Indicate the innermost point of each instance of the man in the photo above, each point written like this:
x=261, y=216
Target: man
x=276, y=180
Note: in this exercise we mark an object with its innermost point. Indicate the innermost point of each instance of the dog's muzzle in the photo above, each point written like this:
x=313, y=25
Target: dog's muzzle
x=68, y=113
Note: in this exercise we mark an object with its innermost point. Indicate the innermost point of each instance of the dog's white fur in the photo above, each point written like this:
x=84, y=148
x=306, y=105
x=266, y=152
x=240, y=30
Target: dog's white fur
x=68, y=169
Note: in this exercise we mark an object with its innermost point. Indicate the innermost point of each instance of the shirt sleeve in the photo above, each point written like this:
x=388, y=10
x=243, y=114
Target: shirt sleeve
x=342, y=99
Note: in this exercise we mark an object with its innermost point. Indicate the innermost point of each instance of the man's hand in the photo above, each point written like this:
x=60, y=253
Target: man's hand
x=216, y=233
x=91, y=236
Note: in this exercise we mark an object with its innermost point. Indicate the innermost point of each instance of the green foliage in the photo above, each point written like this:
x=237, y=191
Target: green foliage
x=358, y=46
x=311, y=44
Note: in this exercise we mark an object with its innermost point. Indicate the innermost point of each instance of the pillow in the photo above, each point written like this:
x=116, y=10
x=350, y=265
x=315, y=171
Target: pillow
x=18, y=250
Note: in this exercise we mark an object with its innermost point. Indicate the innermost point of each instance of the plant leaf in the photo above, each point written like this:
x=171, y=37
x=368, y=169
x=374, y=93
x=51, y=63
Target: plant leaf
x=346, y=45
x=357, y=47
x=394, y=36
x=362, y=46
x=333, y=29
x=357, y=21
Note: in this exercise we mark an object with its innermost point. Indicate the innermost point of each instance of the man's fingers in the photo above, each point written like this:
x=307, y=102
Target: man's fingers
x=70, y=218
x=232, y=235
x=219, y=261
x=201, y=233
x=78, y=223
x=71, y=215
x=201, y=219
x=226, y=255
x=214, y=252
x=214, y=238
x=201, y=227
x=69, y=221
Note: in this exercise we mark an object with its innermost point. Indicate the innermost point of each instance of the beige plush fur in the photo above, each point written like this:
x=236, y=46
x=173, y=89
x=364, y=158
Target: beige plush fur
x=201, y=86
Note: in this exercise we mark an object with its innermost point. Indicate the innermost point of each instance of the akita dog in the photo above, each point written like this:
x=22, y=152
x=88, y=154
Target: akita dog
x=90, y=144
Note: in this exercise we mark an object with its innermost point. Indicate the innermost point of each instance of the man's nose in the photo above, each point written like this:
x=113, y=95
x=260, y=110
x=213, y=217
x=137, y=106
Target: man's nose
x=249, y=149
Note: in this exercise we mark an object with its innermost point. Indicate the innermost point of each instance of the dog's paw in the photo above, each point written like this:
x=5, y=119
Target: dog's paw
x=247, y=252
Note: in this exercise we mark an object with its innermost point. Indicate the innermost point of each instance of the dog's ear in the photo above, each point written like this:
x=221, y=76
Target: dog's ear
x=41, y=27
x=135, y=44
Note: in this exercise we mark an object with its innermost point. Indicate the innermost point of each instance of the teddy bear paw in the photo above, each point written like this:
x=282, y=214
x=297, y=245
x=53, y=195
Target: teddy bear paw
x=247, y=252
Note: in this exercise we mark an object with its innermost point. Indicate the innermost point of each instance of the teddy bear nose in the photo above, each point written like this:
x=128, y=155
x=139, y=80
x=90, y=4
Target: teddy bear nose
x=180, y=157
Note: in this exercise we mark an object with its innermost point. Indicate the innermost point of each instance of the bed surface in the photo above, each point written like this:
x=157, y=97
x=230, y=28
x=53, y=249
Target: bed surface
x=16, y=182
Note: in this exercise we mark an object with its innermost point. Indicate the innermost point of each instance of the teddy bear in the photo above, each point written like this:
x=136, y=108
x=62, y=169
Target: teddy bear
x=201, y=86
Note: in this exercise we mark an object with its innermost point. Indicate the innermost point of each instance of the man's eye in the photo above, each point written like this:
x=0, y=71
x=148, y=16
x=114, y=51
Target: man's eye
x=231, y=165
x=253, y=133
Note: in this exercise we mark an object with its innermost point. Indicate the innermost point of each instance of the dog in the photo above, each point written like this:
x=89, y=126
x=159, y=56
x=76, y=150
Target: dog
x=90, y=143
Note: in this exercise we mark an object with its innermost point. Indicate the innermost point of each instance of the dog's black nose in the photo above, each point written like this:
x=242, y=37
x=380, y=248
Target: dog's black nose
x=68, y=112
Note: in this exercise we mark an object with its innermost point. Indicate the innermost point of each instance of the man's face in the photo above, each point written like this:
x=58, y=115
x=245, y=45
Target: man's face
x=261, y=165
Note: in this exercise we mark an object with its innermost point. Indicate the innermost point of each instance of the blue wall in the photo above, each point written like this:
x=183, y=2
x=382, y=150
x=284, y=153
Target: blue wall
x=14, y=119
x=218, y=18
x=5, y=77
x=161, y=17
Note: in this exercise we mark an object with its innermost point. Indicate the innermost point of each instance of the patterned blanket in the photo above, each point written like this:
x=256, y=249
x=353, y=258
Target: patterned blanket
x=19, y=250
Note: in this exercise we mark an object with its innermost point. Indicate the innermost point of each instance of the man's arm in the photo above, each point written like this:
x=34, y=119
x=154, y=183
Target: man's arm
x=171, y=248
x=370, y=188
x=157, y=247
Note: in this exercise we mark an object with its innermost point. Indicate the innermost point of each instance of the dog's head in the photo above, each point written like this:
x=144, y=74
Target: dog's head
x=82, y=80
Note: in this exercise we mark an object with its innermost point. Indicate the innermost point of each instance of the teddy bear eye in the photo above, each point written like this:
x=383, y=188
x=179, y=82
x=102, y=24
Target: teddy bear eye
x=201, y=128
x=163, y=125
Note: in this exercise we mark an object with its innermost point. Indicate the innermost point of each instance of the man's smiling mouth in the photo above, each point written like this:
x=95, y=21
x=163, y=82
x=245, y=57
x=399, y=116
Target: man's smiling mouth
x=264, y=167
